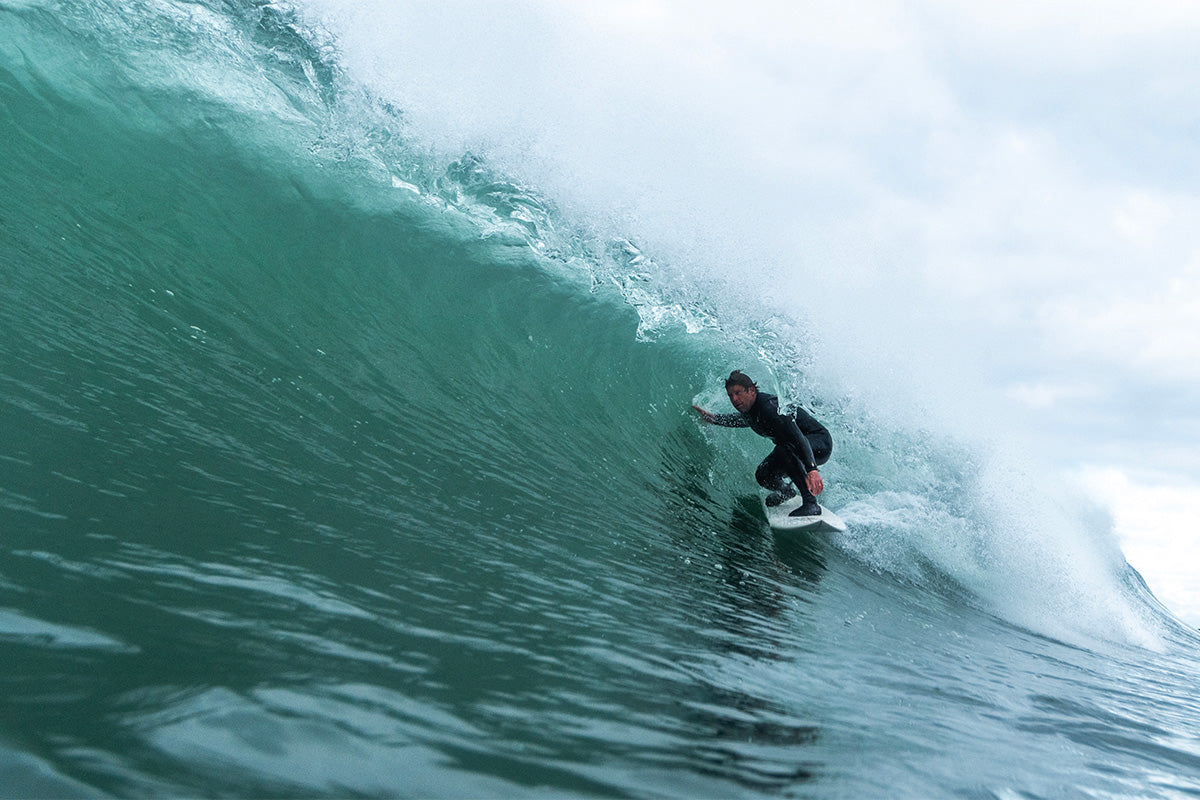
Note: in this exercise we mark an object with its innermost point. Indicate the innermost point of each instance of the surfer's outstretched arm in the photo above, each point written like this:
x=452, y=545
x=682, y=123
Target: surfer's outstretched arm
x=724, y=420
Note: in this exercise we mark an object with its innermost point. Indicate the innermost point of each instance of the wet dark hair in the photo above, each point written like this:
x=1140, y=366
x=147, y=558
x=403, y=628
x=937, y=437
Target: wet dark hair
x=739, y=378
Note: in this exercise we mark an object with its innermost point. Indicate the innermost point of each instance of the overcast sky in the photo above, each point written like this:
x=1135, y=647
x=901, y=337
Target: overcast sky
x=1003, y=196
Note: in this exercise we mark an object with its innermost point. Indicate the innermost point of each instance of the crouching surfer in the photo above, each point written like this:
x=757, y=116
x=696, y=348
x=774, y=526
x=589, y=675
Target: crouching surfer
x=801, y=443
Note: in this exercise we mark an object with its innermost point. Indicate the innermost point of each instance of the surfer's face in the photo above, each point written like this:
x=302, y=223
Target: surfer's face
x=741, y=397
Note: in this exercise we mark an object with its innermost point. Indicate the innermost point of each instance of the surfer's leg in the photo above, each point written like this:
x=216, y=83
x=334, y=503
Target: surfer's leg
x=770, y=476
x=795, y=470
x=770, y=472
x=822, y=447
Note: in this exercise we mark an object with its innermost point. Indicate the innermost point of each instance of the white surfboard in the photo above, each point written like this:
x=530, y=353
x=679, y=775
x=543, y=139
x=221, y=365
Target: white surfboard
x=778, y=519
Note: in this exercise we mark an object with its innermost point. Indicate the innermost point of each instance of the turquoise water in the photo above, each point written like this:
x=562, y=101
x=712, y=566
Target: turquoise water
x=332, y=467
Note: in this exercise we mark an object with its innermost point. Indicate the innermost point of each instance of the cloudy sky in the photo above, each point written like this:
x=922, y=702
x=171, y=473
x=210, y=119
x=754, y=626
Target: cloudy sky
x=1002, y=196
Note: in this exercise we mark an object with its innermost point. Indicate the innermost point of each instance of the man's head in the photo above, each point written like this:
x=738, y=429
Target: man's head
x=741, y=390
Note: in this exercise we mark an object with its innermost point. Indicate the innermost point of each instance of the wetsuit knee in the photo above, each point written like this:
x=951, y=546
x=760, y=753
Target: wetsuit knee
x=822, y=447
x=769, y=476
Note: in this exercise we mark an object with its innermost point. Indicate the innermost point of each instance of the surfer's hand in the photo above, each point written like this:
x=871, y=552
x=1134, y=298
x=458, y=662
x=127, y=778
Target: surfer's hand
x=708, y=415
x=815, y=484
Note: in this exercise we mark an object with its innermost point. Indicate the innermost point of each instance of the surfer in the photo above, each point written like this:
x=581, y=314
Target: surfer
x=801, y=443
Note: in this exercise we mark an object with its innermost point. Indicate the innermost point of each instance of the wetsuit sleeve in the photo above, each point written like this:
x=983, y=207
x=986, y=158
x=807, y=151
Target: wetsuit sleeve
x=729, y=421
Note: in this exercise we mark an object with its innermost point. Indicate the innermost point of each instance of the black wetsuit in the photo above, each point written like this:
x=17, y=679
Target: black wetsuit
x=801, y=443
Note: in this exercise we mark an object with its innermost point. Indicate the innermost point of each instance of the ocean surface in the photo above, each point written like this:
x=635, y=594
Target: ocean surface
x=334, y=466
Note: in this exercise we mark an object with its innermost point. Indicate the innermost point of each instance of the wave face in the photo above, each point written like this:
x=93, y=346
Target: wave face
x=333, y=466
